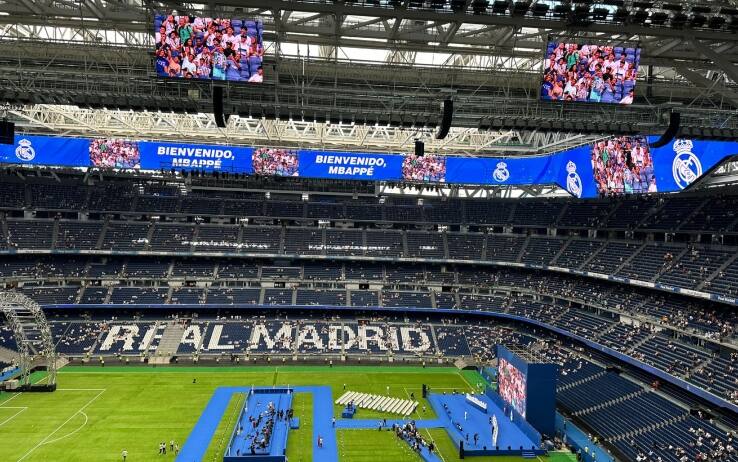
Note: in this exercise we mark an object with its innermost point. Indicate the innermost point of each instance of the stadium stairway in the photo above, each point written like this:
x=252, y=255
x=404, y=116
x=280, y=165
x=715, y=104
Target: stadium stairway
x=589, y=378
x=528, y=454
x=169, y=342
x=5, y=232
x=666, y=268
x=103, y=230
x=633, y=346
x=630, y=258
x=54, y=233
x=609, y=403
x=717, y=271
x=592, y=256
x=639, y=431
x=605, y=331
x=561, y=251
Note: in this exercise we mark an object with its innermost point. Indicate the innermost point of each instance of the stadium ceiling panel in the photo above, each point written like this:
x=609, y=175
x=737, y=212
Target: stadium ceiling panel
x=362, y=62
x=201, y=128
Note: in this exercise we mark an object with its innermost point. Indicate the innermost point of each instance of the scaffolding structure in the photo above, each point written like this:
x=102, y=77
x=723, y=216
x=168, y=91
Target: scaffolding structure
x=32, y=335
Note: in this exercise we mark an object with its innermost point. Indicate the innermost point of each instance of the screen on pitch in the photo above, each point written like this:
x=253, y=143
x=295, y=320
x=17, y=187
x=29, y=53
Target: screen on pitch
x=623, y=165
x=590, y=73
x=192, y=47
x=511, y=385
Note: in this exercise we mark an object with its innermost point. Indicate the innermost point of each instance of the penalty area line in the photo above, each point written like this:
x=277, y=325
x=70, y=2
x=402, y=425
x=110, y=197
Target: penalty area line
x=14, y=415
x=71, y=433
x=11, y=399
x=43, y=441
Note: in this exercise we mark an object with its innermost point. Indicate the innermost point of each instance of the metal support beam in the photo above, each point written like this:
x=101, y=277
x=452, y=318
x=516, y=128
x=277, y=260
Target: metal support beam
x=32, y=335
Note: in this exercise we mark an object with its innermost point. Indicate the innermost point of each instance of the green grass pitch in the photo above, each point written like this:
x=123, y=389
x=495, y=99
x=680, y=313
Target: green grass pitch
x=98, y=412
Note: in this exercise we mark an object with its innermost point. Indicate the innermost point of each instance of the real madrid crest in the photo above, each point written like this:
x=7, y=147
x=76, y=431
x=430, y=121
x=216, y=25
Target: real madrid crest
x=686, y=166
x=24, y=151
x=573, y=180
x=501, y=173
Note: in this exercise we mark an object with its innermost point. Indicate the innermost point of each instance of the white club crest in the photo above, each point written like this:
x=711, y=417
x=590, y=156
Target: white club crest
x=686, y=166
x=24, y=151
x=573, y=180
x=501, y=173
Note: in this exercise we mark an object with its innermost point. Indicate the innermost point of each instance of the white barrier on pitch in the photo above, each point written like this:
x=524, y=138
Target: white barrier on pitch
x=378, y=402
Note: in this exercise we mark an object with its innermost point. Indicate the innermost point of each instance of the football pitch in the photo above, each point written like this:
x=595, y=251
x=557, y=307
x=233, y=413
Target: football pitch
x=98, y=412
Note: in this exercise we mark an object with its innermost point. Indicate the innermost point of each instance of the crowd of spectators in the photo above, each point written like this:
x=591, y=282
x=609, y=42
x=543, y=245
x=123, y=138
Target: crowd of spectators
x=272, y=161
x=424, y=168
x=259, y=436
x=623, y=165
x=409, y=432
x=590, y=73
x=209, y=48
x=115, y=153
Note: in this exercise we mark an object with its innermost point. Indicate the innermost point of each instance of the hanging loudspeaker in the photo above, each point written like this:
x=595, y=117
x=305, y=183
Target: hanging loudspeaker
x=448, y=114
x=220, y=118
x=671, y=131
x=7, y=132
x=419, y=148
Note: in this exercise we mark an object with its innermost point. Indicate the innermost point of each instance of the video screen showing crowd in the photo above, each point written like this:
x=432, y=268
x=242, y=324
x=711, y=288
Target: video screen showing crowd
x=511, y=386
x=623, y=165
x=424, y=168
x=275, y=161
x=115, y=153
x=192, y=47
x=590, y=73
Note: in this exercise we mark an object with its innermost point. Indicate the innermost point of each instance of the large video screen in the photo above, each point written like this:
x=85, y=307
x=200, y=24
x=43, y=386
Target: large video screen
x=115, y=153
x=274, y=161
x=424, y=168
x=192, y=47
x=511, y=385
x=623, y=165
x=590, y=73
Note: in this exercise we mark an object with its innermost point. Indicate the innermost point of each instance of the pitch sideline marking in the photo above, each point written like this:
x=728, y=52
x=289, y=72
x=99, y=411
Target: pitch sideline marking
x=10, y=399
x=62, y=425
x=58, y=389
x=430, y=437
x=81, y=389
x=22, y=408
x=20, y=392
x=473, y=389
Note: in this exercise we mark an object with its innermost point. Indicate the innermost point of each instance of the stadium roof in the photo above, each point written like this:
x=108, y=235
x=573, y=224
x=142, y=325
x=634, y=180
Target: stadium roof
x=361, y=66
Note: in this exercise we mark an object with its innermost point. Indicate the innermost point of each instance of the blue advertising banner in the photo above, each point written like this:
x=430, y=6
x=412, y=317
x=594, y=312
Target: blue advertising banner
x=46, y=150
x=529, y=170
x=681, y=162
x=208, y=158
x=613, y=166
x=575, y=172
x=349, y=165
